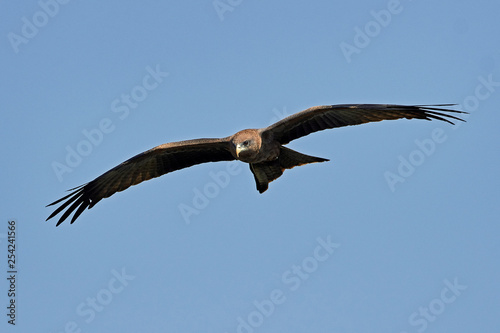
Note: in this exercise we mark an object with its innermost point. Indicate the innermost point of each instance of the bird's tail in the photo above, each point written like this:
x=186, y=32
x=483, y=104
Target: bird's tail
x=266, y=172
x=290, y=158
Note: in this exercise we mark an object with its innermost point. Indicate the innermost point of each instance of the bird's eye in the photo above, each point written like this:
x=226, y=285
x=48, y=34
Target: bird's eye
x=246, y=142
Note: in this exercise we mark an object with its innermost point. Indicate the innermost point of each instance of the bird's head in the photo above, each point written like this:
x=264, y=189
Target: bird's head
x=246, y=145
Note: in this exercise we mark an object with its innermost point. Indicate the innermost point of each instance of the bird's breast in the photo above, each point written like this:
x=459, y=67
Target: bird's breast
x=268, y=151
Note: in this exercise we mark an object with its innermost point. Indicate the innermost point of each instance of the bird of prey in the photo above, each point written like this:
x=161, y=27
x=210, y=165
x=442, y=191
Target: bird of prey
x=263, y=149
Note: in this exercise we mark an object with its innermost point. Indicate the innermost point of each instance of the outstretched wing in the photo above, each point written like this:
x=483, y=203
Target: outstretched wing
x=147, y=165
x=319, y=118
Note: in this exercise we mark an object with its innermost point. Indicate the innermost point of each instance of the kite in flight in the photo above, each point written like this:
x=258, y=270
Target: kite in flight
x=261, y=148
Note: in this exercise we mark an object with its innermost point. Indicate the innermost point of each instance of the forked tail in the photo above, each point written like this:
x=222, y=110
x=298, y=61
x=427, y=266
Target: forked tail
x=266, y=172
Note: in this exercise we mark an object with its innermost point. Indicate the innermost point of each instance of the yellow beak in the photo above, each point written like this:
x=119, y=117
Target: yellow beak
x=238, y=150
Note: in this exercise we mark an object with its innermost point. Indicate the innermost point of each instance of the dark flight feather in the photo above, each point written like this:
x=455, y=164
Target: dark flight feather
x=262, y=149
x=144, y=166
x=319, y=118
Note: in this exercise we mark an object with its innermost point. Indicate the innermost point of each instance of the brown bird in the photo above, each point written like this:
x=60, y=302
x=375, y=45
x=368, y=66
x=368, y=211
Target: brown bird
x=261, y=148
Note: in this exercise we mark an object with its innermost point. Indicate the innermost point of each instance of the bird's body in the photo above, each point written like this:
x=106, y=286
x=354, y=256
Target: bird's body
x=263, y=149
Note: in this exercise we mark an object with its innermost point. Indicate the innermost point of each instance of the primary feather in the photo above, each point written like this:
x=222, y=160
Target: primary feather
x=262, y=148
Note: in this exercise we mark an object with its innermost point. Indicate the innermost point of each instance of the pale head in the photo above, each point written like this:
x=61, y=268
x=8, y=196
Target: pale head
x=245, y=145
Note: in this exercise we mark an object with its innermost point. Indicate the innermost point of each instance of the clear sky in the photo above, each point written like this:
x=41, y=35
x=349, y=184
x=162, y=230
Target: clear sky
x=399, y=232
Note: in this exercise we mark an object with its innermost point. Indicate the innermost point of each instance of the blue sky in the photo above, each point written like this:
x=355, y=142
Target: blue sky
x=397, y=233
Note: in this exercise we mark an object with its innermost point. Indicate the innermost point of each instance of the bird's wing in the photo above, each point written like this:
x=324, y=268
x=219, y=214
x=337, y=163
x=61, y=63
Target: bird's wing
x=147, y=165
x=330, y=116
